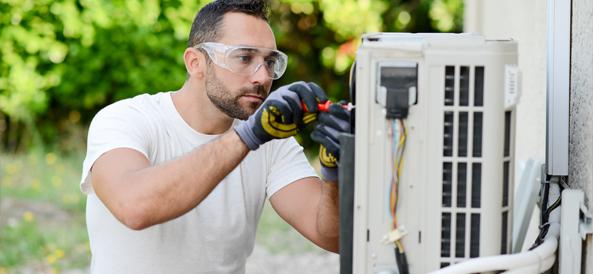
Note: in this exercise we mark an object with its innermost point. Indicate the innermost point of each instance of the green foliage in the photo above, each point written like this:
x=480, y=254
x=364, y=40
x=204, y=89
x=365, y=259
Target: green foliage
x=42, y=214
x=61, y=61
x=24, y=239
x=278, y=237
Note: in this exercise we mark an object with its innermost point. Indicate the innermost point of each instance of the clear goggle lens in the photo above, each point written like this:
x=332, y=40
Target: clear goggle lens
x=246, y=60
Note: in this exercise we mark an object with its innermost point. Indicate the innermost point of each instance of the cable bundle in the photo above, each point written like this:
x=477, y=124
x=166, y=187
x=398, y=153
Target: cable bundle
x=397, y=134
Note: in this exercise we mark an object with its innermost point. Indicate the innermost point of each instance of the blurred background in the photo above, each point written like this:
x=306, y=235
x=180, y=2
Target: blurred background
x=62, y=61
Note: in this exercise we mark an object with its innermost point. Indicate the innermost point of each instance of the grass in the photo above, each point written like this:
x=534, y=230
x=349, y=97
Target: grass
x=42, y=222
x=278, y=237
x=42, y=227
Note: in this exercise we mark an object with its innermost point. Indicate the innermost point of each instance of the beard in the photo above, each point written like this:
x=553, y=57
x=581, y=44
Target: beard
x=227, y=102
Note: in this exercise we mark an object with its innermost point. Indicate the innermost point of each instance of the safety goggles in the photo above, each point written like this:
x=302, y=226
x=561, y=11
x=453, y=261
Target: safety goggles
x=246, y=60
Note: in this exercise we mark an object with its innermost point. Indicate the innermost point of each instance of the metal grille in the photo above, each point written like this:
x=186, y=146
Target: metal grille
x=461, y=185
x=448, y=134
x=460, y=236
x=476, y=185
x=462, y=169
x=449, y=85
x=479, y=87
x=462, y=134
x=503, y=237
x=474, y=244
x=477, y=138
x=446, y=235
x=506, y=183
x=447, y=184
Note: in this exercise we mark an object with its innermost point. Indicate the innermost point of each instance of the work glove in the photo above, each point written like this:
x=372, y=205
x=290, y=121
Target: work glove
x=327, y=131
x=281, y=115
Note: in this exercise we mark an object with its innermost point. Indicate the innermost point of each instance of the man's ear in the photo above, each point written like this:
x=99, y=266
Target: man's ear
x=195, y=62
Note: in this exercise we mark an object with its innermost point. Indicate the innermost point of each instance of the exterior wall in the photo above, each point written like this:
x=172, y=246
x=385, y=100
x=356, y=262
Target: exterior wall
x=581, y=109
x=525, y=21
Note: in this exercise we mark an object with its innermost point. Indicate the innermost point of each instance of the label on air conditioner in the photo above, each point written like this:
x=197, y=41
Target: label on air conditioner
x=512, y=90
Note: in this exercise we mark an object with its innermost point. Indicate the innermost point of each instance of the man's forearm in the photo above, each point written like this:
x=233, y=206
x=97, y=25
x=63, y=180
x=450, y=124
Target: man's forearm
x=328, y=224
x=166, y=191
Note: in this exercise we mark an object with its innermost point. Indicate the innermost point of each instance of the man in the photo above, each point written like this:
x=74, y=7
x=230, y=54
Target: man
x=176, y=181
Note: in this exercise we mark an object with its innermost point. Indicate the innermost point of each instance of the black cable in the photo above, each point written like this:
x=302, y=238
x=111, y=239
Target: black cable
x=544, y=203
x=543, y=231
x=543, y=228
x=561, y=184
x=553, y=206
x=404, y=264
x=401, y=260
x=547, y=210
x=398, y=260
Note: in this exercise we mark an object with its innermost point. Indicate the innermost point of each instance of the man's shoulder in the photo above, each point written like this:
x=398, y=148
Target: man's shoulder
x=141, y=104
x=144, y=111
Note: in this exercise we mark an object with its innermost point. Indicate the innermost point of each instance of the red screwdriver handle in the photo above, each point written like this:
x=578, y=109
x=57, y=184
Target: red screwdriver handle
x=324, y=107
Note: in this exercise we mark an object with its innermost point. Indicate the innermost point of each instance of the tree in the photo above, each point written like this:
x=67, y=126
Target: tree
x=61, y=61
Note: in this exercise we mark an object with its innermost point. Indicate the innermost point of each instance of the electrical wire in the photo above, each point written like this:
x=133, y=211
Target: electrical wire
x=402, y=261
x=553, y=206
x=546, y=210
x=398, y=146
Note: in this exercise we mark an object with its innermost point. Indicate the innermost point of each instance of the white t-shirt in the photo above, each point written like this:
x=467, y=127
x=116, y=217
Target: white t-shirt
x=216, y=236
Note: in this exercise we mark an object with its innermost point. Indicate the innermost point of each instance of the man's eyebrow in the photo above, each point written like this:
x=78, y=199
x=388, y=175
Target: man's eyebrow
x=271, y=52
x=248, y=49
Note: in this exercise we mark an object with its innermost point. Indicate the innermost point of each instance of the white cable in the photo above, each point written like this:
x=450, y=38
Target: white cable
x=539, y=259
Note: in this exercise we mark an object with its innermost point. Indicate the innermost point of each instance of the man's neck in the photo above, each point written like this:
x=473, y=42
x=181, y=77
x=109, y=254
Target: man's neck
x=198, y=112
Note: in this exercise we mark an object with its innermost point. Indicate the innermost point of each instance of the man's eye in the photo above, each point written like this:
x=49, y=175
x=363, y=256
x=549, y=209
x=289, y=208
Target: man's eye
x=270, y=63
x=245, y=58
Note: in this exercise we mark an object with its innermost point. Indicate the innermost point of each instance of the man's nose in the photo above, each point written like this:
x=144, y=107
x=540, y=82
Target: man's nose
x=260, y=75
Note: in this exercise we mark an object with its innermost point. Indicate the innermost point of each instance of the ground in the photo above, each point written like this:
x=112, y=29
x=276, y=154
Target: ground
x=42, y=227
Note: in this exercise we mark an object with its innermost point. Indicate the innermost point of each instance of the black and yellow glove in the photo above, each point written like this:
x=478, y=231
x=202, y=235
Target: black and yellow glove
x=331, y=124
x=281, y=115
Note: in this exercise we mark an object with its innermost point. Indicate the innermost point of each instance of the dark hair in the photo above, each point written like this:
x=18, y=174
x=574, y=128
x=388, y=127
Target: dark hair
x=207, y=22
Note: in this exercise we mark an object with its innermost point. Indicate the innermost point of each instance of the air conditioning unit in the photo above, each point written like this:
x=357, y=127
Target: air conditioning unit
x=434, y=145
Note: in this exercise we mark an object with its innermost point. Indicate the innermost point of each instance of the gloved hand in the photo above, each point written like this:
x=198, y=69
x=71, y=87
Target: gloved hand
x=281, y=114
x=331, y=124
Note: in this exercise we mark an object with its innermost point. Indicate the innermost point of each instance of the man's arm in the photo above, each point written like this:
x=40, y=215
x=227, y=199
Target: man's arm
x=140, y=195
x=310, y=205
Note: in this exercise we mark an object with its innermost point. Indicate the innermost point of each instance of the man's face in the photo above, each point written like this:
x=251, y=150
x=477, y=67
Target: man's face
x=233, y=103
x=238, y=95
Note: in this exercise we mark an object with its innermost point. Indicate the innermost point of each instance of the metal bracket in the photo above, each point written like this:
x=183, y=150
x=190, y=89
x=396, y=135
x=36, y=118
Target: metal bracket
x=575, y=223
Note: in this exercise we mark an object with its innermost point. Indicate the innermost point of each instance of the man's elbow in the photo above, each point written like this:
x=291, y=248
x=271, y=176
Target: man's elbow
x=332, y=245
x=330, y=238
x=135, y=223
x=133, y=217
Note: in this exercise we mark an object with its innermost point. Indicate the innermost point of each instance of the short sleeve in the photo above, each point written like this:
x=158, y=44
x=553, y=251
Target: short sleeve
x=119, y=125
x=287, y=163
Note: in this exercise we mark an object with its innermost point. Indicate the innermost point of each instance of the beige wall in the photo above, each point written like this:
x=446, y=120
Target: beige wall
x=525, y=21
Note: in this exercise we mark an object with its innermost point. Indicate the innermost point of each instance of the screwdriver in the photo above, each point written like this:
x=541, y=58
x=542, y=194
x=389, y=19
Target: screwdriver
x=324, y=107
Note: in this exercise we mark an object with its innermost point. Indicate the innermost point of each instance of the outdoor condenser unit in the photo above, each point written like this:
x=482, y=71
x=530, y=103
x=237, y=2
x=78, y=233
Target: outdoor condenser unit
x=434, y=146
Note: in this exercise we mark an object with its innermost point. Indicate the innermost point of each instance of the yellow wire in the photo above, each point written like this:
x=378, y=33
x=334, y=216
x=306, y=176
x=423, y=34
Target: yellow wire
x=399, y=246
x=397, y=166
